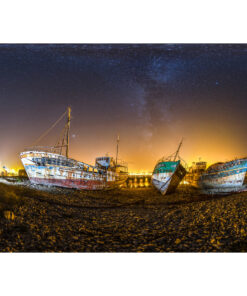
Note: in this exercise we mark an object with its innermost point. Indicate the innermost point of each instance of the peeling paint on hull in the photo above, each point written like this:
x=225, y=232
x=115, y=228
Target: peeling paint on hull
x=56, y=170
x=72, y=183
x=163, y=185
x=224, y=177
x=167, y=176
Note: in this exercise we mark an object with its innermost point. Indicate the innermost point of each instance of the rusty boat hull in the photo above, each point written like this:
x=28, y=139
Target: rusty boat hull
x=47, y=168
x=167, y=175
x=227, y=177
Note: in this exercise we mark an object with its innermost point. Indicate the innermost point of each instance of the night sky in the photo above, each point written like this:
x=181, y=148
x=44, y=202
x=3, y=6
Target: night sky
x=151, y=95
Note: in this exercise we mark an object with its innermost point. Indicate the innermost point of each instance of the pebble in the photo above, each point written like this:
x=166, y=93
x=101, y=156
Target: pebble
x=126, y=220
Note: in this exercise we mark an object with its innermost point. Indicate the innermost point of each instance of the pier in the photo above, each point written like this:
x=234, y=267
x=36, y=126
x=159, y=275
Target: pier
x=139, y=180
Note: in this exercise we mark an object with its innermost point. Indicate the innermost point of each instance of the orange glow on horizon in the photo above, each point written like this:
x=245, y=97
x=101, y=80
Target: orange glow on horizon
x=203, y=143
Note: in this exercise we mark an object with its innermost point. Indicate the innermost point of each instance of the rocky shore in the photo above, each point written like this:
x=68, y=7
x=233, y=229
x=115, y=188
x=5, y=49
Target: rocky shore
x=45, y=219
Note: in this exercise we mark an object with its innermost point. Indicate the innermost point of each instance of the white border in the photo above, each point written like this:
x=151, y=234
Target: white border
x=122, y=22
x=122, y=274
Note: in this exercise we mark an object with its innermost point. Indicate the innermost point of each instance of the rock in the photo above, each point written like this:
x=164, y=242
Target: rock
x=9, y=215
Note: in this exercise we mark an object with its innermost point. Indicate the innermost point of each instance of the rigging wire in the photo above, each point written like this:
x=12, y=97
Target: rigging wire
x=49, y=129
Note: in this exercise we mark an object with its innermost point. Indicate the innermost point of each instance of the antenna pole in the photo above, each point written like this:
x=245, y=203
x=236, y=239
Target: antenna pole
x=179, y=146
x=68, y=128
x=117, y=149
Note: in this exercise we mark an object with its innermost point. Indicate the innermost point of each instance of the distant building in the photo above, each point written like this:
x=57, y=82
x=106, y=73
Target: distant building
x=194, y=173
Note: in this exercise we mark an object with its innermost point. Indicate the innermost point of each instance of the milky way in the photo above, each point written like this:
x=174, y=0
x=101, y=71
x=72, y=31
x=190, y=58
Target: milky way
x=152, y=95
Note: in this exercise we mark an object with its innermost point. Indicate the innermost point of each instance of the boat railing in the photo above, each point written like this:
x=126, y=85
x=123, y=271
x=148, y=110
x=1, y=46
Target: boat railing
x=170, y=158
x=51, y=149
x=122, y=163
x=164, y=159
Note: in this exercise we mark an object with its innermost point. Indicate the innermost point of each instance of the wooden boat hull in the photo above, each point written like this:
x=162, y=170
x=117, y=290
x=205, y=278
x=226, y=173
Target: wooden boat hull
x=224, y=177
x=167, y=176
x=56, y=170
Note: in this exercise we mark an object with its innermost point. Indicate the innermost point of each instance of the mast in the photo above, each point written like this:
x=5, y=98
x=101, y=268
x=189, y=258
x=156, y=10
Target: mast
x=117, y=149
x=179, y=146
x=68, y=128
